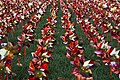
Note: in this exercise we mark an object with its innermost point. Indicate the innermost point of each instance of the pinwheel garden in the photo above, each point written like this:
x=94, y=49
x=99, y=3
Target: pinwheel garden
x=59, y=39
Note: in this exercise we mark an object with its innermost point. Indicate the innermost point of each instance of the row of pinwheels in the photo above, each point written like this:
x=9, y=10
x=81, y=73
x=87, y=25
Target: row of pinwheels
x=38, y=67
x=81, y=66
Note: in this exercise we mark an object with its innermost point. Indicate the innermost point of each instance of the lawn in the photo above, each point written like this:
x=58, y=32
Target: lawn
x=60, y=65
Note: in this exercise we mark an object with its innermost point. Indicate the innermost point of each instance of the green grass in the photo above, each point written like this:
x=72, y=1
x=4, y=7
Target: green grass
x=60, y=66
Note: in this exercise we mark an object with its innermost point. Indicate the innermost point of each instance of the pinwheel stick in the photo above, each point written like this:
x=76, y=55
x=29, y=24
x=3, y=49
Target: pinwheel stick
x=18, y=27
x=12, y=34
x=117, y=45
x=110, y=70
x=18, y=61
x=11, y=76
x=111, y=36
x=24, y=51
x=107, y=36
x=7, y=39
x=6, y=77
x=80, y=77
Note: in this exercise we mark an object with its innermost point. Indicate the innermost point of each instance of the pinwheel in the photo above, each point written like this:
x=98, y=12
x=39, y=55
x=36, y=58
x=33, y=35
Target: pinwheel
x=79, y=60
x=39, y=64
x=84, y=69
x=6, y=55
x=47, y=30
x=46, y=41
x=24, y=40
x=35, y=19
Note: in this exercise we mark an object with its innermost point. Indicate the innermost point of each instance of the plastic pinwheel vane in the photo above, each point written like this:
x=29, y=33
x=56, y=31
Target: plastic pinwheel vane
x=110, y=56
x=39, y=64
x=7, y=53
x=82, y=67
